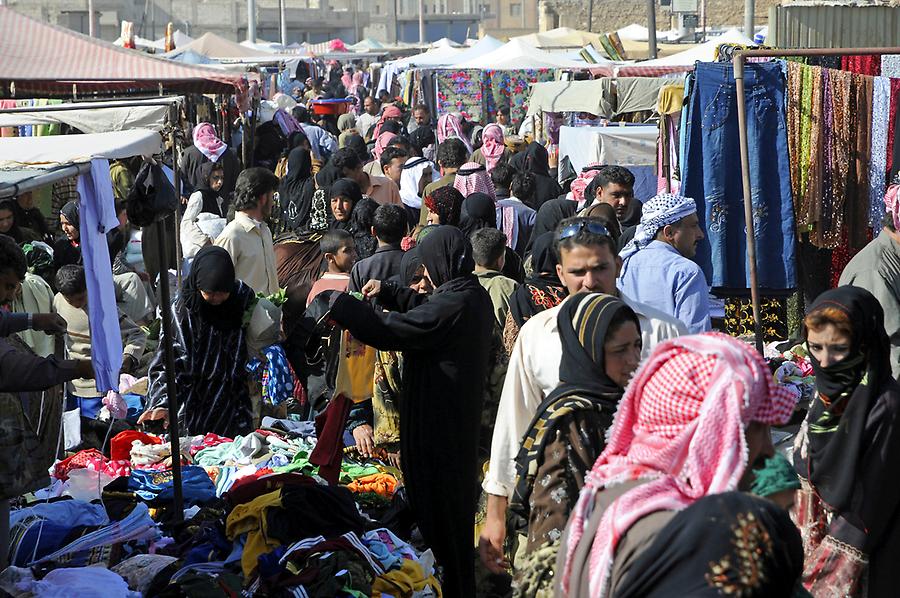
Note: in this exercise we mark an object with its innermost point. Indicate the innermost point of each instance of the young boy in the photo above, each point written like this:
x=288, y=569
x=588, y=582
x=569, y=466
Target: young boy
x=489, y=253
x=340, y=253
x=71, y=303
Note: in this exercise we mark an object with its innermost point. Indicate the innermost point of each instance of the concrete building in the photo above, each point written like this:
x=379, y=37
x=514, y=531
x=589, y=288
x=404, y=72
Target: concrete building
x=307, y=20
x=398, y=20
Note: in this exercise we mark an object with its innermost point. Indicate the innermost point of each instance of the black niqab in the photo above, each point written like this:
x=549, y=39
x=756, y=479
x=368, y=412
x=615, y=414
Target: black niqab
x=213, y=271
x=447, y=254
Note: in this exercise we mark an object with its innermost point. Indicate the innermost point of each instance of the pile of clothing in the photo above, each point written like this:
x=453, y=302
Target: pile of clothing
x=257, y=518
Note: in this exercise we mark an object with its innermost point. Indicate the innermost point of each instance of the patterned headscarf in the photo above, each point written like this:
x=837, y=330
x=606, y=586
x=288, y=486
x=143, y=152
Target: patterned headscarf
x=585, y=177
x=209, y=144
x=492, y=145
x=389, y=112
x=446, y=202
x=892, y=203
x=681, y=426
x=662, y=210
x=448, y=126
x=381, y=143
x=473, y=178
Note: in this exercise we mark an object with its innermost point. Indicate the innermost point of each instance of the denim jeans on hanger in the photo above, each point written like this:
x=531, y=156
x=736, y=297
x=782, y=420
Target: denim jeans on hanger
x=712, y=175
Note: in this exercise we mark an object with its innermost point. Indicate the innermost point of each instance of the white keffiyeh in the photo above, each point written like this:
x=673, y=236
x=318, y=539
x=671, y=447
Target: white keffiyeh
x=665, y=208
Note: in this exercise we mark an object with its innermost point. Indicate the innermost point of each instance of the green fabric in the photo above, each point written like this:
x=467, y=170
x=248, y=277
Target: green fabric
x=776, y=476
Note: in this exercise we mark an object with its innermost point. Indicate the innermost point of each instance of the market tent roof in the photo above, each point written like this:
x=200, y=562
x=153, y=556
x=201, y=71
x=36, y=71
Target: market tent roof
x=215, y=46
x=483, y=46
x=684, y=61
x=443, y=55
x=446, y=42
x=561, y=37
x=41, y=59
x=518, y=54
x=366, y=45
x=69, y=149
x=263, y=46
x=95, y=117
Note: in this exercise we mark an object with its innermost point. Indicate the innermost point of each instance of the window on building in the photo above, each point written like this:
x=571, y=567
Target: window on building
x=377, y=9
x=515, y=9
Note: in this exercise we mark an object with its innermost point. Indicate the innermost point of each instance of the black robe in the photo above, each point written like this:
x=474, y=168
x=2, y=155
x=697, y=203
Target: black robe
x=445, y=340
x=210, y=378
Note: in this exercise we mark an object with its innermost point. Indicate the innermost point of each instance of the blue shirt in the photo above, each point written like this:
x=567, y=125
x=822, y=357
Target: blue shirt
x=661, y=277
x=320, y=140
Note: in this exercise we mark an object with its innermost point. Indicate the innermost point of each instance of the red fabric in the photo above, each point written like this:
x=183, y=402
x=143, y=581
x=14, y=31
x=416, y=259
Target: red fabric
x=208, y=441
x=895, y=100
x=583, y=180
x=120, y=445
x=329, y=451
x=492, y=145
x=864, y=65
x=681, y=425
x=91, y=459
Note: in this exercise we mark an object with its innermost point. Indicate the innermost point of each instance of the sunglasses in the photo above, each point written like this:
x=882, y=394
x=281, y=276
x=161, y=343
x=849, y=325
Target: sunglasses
x=595, y=228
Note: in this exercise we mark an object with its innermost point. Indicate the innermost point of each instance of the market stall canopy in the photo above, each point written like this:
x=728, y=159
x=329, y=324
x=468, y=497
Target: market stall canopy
x=366, y=45
x=446, y=42
x=483, y=46
x=41, y=60
x=70, y=149
x=561, y=37
x=517, y=54
x=95, y=117
x=215, y=46
x=684, y=61
x=442, y=56
x=602, y=97
x=263, y=46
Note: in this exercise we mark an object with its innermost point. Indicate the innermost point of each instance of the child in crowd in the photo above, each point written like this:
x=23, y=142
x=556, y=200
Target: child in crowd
x=340, y=254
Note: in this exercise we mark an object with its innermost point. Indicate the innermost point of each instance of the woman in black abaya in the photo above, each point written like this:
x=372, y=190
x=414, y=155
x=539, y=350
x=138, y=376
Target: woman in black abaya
x=295, y=193
x=445, y=339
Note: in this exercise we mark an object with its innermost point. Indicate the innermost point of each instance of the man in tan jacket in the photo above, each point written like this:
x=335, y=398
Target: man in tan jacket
x=71, y=303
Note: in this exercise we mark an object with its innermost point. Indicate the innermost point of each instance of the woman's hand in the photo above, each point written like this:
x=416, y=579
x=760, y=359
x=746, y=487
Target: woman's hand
x=372, y=289
x=365, y=440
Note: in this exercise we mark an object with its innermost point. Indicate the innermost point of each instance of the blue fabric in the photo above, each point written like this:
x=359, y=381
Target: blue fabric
x=157, y=485
x=712, y=169
x=320, y=140
x=90, y=406
x=661, y=277
x=98, y=216
x=279, y=381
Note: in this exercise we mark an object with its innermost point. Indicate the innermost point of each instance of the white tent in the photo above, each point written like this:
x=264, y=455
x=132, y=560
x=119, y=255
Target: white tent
x=263, y=46
x=64, y=149
x=705, y=52
x=433, y=57
x=561, y=37
x=445, y=42
x=517, y=54
x=483, y=46
x=639, y=33
x=96, y=117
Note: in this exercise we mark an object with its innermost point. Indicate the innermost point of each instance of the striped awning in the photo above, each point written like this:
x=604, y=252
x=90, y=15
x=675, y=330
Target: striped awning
x=45, y=60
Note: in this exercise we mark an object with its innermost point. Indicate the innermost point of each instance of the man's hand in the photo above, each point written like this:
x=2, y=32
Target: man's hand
x=49, y=323
x=129, y=364
x=372, y=289
x=154, y=415
x=84, y=368
x=493, y=536
x=365, y=440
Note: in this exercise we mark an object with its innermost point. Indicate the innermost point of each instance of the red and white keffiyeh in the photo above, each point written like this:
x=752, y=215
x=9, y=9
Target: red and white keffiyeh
x=209, y=144
x=583, y=180
x=449, y=126
x=492, y=145
x=892, y=204
x=681, y=425
x=473, y=178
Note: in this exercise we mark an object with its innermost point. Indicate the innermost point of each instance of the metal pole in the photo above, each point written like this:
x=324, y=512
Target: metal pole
x=283, y=21
x=251, y=21
x=651, y=27
x=703, y=19
x=176, y=179
x=356, y=21
x=749, y=9
x=748, y=199
x=91, y=31
x=590, y=21
x=169, y=356
x=422, y=22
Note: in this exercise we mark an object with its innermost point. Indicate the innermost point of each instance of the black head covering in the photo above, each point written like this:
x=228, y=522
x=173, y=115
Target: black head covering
x=447, y=254
x=409, y=264
x=422, y=137
x=210, y=197
x=733, y=531
x=345, y=188
x=446, y=202
x=584, y=322
x=14, y=231
x=296, y=191
x=478, y=211
x=361, y=221
x=549, y=215
x=72, y=214
x=534, y=159
x=850, y=388
x=213, y=270
x=358, y=145
x=543, y=289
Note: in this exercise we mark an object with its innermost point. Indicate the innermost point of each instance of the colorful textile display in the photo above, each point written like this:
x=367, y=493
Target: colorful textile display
x=480, y=94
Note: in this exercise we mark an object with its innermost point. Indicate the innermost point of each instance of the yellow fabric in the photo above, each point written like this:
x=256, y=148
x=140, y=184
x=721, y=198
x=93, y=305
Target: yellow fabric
x=671, y=99
x=250, y=519
x=401, y=583
x=356, y=370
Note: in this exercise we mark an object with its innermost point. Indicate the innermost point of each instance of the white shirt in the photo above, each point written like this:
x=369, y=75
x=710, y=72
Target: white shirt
x=364, y=122
x=533, y=373
x=249, y=242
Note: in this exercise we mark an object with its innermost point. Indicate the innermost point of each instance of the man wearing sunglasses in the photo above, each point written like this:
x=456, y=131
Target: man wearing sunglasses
x=588, y=263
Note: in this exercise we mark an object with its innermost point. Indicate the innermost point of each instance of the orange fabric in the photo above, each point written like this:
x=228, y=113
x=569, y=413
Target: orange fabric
x=380, y=483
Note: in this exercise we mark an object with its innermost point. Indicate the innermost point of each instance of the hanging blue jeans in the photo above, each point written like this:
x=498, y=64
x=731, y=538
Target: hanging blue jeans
x=712, y=175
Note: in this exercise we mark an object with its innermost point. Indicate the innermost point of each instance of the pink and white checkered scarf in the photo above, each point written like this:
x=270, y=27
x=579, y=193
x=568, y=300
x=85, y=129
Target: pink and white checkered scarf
x=448, y=126
x=583, y=180
x=492, y=145
x=206, y=140
x=681, y=425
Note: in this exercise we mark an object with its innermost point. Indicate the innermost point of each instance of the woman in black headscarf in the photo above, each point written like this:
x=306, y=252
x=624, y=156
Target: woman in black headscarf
x=445, y=339
x=210, y=341
x=601, y=349
x=295, y=193
x=542, y=290
x=9, y=225
x=67, y=250
x=361, y=222
x=549, y=216
x=849, y=506
x=479, y=211
x=344, y=194
x=535, y=160
x=444, y=206
x=358, y=145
